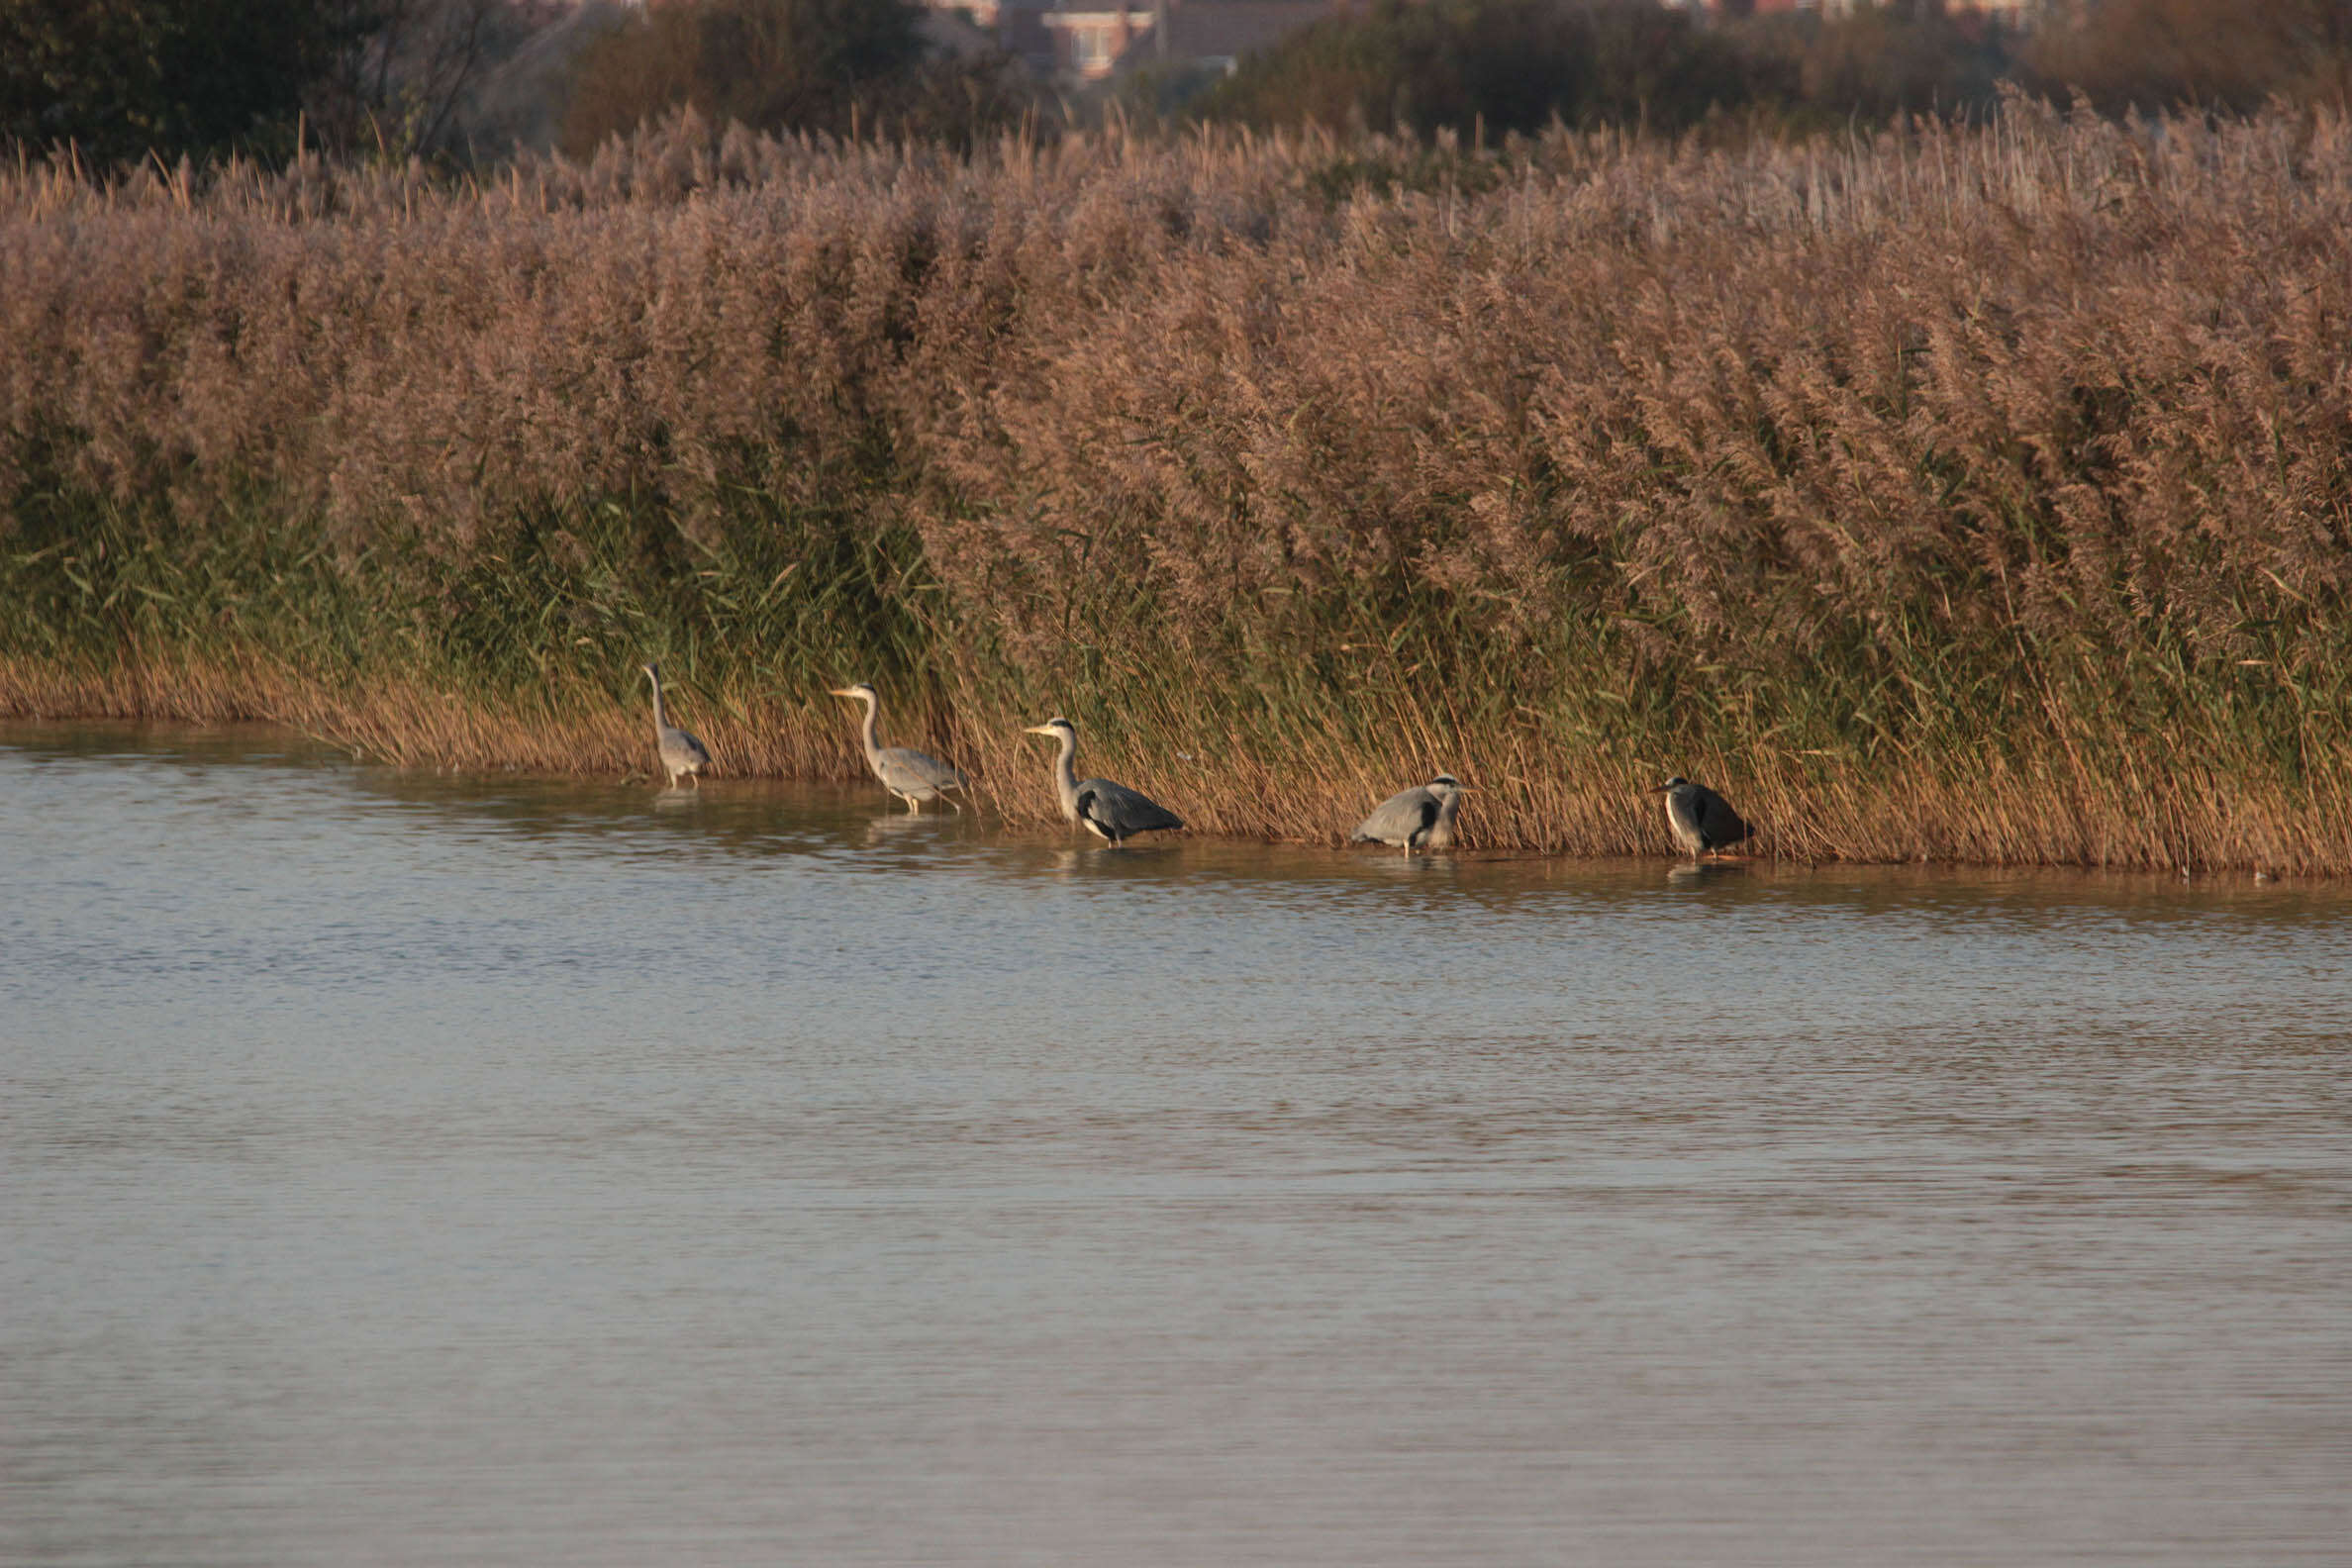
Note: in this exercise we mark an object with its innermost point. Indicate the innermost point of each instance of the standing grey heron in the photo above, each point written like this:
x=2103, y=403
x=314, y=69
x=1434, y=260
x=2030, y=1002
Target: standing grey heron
x=1421, y=818
x=1111, y=812
x=682, y=755
x=913, y=776
x=1702, y=820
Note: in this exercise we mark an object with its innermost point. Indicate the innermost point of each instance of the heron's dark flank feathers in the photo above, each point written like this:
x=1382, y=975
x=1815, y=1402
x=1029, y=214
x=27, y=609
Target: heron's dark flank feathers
x=1124, y=810
x=1718, y=823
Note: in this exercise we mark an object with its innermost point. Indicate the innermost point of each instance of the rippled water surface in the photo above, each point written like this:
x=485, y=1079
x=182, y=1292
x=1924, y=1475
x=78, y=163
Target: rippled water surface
x=403, y=1169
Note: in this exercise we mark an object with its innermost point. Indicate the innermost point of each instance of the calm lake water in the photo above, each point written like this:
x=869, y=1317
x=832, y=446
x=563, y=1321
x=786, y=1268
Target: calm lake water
x=406, y=1169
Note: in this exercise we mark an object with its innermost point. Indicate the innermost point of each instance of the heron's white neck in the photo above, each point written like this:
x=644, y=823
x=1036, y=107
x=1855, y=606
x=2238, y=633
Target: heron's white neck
x=873, y=746
x=1065, y=774
x=660, y=721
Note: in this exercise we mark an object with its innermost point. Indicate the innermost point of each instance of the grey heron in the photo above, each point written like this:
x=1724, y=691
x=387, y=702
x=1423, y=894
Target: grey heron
x=1421, y=818
x=913, y=776
x=682, y=755
x=1111, y=812
x=1701, y=820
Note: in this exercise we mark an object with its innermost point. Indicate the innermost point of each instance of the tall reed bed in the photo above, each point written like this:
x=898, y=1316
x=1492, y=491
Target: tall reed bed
x=1971, y=493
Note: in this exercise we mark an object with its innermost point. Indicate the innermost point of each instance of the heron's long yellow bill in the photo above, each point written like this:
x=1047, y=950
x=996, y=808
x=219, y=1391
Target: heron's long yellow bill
x=1040, y=729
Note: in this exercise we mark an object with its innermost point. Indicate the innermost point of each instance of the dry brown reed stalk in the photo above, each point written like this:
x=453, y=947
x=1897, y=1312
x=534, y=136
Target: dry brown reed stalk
x=419, y=725
x=1961, y=493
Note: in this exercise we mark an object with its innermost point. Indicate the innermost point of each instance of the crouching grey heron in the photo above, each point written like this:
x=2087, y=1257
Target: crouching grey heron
x=682, y=755
x=1701, y=820
x=913, y=776
x=1111, y=812
x=1421, y=818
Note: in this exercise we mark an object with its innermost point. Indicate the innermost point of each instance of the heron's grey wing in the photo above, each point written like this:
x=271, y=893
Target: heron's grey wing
x=1123, y=811
x=916, y=772
x=1397, y=819
x=681, y=747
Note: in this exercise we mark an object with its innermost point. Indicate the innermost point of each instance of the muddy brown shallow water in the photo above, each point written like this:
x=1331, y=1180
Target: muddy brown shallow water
x=404, y=1169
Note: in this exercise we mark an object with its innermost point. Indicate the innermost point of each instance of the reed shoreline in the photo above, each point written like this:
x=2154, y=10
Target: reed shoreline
x=1961, y=494
x=1529, y=799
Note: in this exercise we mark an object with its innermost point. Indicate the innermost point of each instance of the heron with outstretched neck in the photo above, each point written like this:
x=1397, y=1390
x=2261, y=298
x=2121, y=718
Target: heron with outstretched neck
x=913, y=776
x=682, y=755
x=1701, y=820
x=1421, y=818
x=1111, y=812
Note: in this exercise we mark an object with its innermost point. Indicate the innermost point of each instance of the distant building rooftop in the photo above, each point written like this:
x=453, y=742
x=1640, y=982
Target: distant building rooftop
x=1089, y=40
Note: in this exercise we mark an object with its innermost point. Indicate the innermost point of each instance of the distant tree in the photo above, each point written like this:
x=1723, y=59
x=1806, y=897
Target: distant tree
x=404, y=70
x=122, y=77
x=2215, y=53
x=771, y=64
x=1514, y=64
x=1875, y=62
